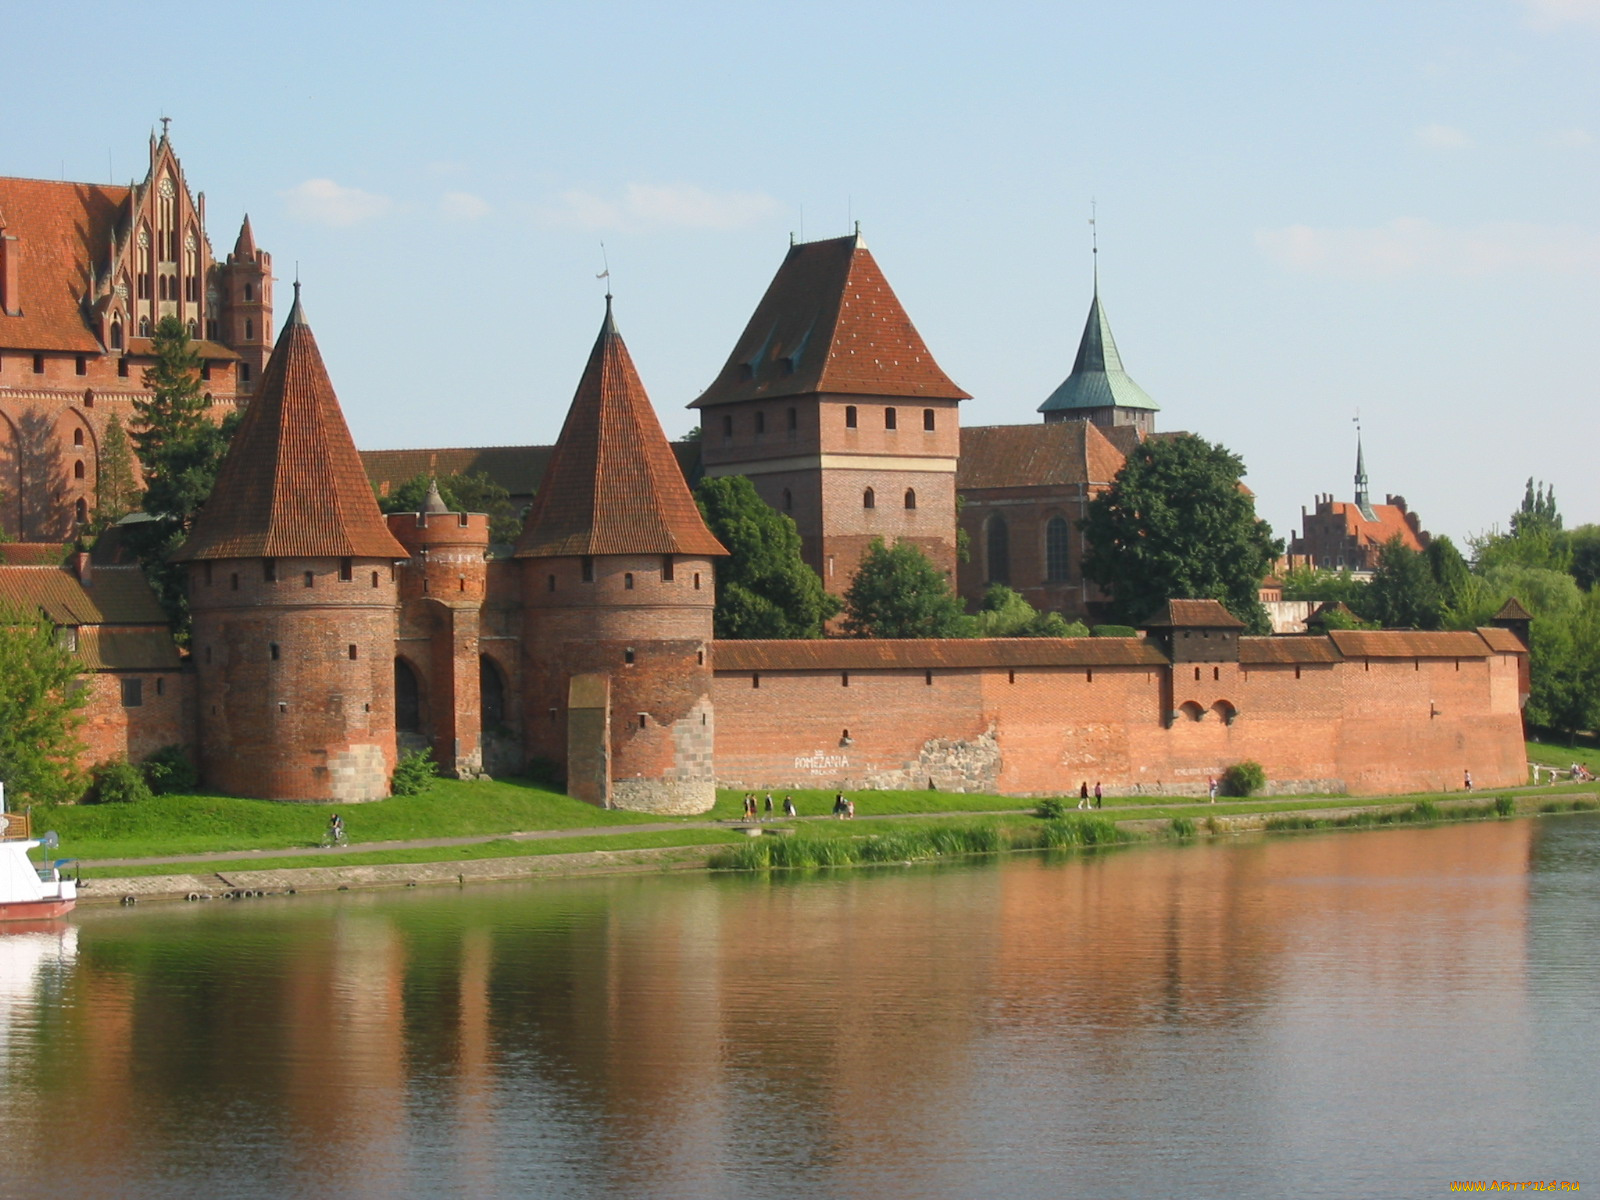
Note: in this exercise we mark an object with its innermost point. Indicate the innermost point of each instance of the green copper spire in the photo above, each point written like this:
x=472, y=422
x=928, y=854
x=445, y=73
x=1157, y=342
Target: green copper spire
x=1097, y=379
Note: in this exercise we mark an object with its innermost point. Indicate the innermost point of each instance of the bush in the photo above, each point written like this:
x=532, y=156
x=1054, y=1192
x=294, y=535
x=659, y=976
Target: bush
x=169, y=770
x=1243, y=779
x=1183, y=827
x=1504, y=806
x=414, y=773
x=1052, y=809
x=118, y=782
x=1115, y=631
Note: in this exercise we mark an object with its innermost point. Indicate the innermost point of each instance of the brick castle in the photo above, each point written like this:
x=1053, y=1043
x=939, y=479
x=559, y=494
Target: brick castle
x=328, y=637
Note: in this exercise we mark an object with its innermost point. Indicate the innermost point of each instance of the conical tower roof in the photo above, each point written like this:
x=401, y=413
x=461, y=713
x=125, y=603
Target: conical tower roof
x=1097, y=379
x=613, y=485
x=292, y=484
x=829, y=322
x=244, y=249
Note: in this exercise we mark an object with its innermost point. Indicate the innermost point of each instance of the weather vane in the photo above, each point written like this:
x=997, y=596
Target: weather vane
x=606, y=274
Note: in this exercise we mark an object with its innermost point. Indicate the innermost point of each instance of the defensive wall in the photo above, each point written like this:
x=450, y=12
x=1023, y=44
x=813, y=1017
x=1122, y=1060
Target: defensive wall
x=1358, y=712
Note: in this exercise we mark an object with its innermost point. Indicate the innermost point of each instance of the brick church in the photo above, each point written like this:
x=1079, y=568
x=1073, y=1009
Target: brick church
x=328, y=637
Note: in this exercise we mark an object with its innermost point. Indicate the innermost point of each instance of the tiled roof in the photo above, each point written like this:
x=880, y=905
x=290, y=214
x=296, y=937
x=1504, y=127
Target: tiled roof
x=1502, y=641
x=1060, y=453
x=839, y=654
x=613, y=485
x=102, y=649
x=518, y=469
x=1193, y=614
x=116, y=595
x=1255, y=651
x=1098, y=379
x=18, y=554
x=1408, y=643
x=292, y=483
x=139, y=347
x=1512, y=610
x=829, y=322
x=62, y=229
x=1389, y=521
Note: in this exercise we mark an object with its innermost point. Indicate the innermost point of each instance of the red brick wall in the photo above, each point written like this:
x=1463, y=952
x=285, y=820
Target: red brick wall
x=315, y=723
x=1046, y=730
x=165, y=716
x=1027, y=512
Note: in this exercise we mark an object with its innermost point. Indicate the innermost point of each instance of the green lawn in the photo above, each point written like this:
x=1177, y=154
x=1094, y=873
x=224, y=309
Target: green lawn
x=170, y=825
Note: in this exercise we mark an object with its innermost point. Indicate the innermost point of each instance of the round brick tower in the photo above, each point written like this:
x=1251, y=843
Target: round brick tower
x=442, y=592
x=293, y=593
x=617, y=592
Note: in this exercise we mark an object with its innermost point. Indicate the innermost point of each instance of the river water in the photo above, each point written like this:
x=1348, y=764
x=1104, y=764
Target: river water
x=1347, y=1014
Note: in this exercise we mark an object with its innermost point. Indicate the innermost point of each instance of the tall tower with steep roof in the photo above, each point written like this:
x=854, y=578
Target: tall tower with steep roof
x=1099, y=389
x=618, y=591
x=246, y=306
x=292, y=589
x=833, y=406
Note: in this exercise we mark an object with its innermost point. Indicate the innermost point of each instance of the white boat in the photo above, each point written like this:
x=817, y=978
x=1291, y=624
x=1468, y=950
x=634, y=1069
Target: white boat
x=29, y=892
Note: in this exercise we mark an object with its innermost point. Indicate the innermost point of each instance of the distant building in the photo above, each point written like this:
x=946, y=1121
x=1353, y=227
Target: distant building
x=1340, y=536
x=86, y=272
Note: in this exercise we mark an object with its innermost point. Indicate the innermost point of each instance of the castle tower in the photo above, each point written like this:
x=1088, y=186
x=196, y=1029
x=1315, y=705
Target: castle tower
x=833, y=407
x=246, y=306
x=1099, y=390
x=292, y=589
x=441, y=606
x=617, y=591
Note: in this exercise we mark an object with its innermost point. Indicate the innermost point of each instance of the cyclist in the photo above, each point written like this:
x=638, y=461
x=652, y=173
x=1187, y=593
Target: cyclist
x=336, y=835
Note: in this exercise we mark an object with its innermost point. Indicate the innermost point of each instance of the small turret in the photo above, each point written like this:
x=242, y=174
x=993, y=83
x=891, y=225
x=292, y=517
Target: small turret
x=617, y=591
x=246, y=322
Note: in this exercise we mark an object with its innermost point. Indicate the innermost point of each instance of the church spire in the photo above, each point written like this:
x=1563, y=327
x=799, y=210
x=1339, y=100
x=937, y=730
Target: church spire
x=1098, y=380
x=1363, y=498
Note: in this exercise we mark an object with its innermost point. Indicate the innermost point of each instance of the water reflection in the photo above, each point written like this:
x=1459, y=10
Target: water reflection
x=1376, y=1013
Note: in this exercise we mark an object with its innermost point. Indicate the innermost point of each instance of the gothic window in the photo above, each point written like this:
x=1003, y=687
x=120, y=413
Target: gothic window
x=144, y=324
x=77, y=437
x=249, y=329
x=407, y=698
x=249, y=292
x=116, y=335
x=77, y=470
x=911, y=497
x=999, y=551
x=1055, y=550
x=82, y=508
x=869, y=499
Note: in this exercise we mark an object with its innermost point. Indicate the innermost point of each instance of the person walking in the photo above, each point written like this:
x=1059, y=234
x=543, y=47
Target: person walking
x=1099, y=796
x=788, y=807
x=769, y=804
x=1466, y=780
x=1211, y=788
x=1083, y=795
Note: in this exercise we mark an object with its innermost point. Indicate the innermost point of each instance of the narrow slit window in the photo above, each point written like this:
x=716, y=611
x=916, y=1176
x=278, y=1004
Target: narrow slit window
x=273, y=650
x=627, y=581
x=627, y=656
x=346, y=570
x=869, y=499
x=927, y=419
x=850, y=416
x=588, y=569
x=269, y=570
x=667, y=572
x=890, y=418
x=311, y=579
x=351, y=650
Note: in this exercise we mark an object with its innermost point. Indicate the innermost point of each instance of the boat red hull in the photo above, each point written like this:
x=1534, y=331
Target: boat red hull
x=35, y=910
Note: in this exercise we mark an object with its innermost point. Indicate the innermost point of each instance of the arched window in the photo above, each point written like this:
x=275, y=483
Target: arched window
x=491, y=693
x=249, y=329
x=788, y=500
x=850, y=416
x=1225, y=711
x=407, y=698
x=249, y=293
x=869, y=499
x=77, y=437
x=1191, y=710
x=927, y=419
x=1055, y=550
x=889, y=418
x=144, y=327
x=911, y=497
x=999, y=551
x=83, y=512
x=116, y=335
x=77, y=469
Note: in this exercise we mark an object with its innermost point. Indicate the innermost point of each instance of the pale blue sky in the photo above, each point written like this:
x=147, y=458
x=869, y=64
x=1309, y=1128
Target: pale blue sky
x=1304, y=209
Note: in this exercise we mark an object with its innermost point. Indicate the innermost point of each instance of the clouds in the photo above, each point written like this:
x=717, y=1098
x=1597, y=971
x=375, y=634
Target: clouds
x=463, y=206
x=1442, y=137
x=1407, y=246
x=324, y=202
x=645, y=206
x=1552, y=14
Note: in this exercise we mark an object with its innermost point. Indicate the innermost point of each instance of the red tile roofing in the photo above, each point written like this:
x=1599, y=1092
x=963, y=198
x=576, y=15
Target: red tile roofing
x=50, y=554
x=829, y=322
x=1193, y=614
x=1502, y=641
x=61, y=229
x=1255, y=651
x=1391, y=521
x=1043, y=455
x=292, y=484
x=860, y=654
x=115, y=595
x=613, y=485
x=1409, y=643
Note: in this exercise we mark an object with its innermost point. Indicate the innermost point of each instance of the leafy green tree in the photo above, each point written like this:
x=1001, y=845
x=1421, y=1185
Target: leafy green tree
x=899, y=593
x=472, y=491
x=116, y=492
x=1452, y=577
x=764, y=587
x=1403, y=593
x=1315, y=583
x=1176, y=524
x=1565, y=668
x=1006, y=613
x=1585, y=545
x=1536, y=538
x=40, y=711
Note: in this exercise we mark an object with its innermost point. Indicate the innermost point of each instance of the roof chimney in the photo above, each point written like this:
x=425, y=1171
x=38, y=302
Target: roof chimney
x=10, y=301
x=85, y=571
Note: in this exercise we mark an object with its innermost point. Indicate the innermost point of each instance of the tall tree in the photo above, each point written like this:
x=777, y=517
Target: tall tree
x=116, y=493
x=470, y=491
x=1403, y=592
x=764, y=588
x=1565, y=667
x=1177, y=524
x=1585, y=544
x=40, y=710
x=1536, y=538
x=899, y=593
x=180, y=447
